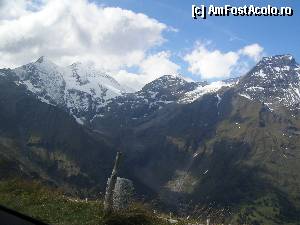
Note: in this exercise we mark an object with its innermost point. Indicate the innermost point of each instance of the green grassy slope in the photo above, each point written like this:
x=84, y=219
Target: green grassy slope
x=53, y=207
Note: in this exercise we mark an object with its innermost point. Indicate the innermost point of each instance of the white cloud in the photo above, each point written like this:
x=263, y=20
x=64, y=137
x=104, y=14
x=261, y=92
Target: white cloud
x=254, y=51
x=12, y=9
x=158, y=64
x=151, y=68
x=210, y=63
x=113, y=39
x=68, y=31
x=130, y=81
x=214, y=64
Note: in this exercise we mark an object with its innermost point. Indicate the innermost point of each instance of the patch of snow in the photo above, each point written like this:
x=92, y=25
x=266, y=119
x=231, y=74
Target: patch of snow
x=172, y=221
x=269, y=105
x=195, y=154
x=45, y=101
x=164, y=102
x=245, y=96
x=153, y=94
x=255, y=88
x=277, y=69
x=219, y=100
x=202, y=90
x=79, y=120
x=260, y=74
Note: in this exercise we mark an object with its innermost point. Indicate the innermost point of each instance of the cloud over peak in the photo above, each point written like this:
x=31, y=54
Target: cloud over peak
x=209, y=63
x=151, y=68
x=68, y=31
x=123, y=43
x=254, y=51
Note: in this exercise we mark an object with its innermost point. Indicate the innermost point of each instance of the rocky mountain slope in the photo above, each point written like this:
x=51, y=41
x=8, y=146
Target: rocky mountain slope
x=39, y=140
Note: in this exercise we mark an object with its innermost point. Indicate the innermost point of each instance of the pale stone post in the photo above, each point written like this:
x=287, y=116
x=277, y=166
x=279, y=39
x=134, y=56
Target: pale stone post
x=108, y=200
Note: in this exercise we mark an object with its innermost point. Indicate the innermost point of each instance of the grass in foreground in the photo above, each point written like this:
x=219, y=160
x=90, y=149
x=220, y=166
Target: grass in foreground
x=51, y=206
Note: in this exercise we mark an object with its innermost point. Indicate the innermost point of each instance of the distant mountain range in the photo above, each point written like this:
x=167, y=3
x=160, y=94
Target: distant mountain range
x=229, y=146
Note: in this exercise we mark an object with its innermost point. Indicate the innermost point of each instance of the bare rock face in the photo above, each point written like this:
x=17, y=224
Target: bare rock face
x=123, y=193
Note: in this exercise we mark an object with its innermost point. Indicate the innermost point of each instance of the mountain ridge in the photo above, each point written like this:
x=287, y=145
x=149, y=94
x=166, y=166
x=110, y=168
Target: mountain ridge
x=87, y=93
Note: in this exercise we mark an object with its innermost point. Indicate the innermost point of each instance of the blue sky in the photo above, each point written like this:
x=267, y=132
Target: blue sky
x=277, y=35
x=137, y=41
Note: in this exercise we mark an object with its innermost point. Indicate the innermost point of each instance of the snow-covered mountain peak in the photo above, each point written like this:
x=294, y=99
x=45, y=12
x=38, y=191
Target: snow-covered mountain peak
x=279, y=59
x=45, y=65
x=86, y=78
x=43, y=78
x=274, y=80
x=80, y=88
x=279, y=64
x=167, y=88
x=83, y=70
x=282, y=68
x=165, y=81
x=43, y=59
